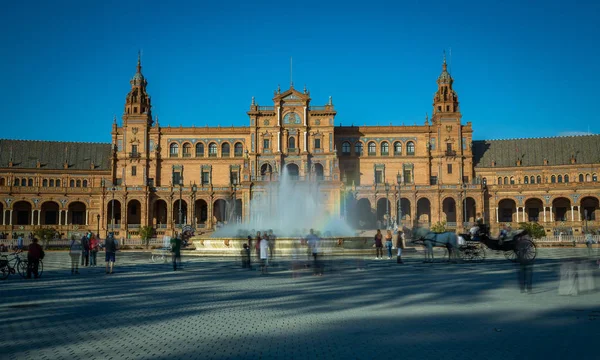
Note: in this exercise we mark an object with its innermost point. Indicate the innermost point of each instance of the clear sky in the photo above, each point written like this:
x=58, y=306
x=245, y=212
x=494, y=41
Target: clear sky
x=521, y=68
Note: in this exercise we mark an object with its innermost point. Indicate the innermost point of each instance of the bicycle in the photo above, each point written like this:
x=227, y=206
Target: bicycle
x=18, y=265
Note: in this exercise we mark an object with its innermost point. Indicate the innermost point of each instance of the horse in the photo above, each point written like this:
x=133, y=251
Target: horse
x=447, y=239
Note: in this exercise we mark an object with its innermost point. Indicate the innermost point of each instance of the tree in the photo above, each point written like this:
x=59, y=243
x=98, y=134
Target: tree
x=439, y=227
x=534, y=229
x=146, y=233
x=45, y=234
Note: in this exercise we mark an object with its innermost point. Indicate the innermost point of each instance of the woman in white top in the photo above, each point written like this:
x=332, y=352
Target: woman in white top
x=264, y=254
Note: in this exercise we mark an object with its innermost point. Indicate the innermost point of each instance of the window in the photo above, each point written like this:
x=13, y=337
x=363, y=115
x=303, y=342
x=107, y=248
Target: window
x=559, y=178
x=432, y=143
x=538, y=179
x=317, y=143
x=594, y=178
x=17, y=182
x=345, y=148
x=449, y=168
x=266, y=144
x=134, y=150
x=526, y=180
x=135, y=109
x=532, y=179
x=85, y=183
x=238, y=150
x=397, y=148
x=580, y=177
x=199, y=150
x=44, y=182
x=566, y=178
x=57, y=183
x=464, y=143
x=177, y=178
x=234, y=177
x=78, y=183
x=72, y=183
x=292, y=143
x=358, y=149
x=439, y=108
x=499, y=181
x=465, y=179
x=449, y=147
x=133, y=171
x=512, y=180
x=447, y=107
x=212, y=150
x=30, y=182
x=410, y=148
x=378, y=176
x=372, y=148
x=225, y=150
x=553, y=179
x=407, y=177
x=174, y=150
x=187, y=150
x=385, y=148
x=587, y=177
x=205, y=177
x=433, y=180
x=506, y=180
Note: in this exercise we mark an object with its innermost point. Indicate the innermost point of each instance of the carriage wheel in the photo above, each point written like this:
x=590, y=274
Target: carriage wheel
x=511, y=255
x=527, y=248
x=478, y=253
x=465, y=253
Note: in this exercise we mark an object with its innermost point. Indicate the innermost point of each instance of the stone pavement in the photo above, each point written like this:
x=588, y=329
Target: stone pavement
x=213, y=309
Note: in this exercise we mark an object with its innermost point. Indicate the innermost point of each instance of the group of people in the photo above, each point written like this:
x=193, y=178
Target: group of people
x=389, y=244
x=87, y=249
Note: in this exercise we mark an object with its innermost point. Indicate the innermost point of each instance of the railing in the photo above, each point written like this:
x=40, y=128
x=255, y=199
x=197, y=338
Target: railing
x=134, y=154
x=396, y=153
x=199, y=155
x=161, y=226
x=225, y=154
x=212, y=154
x=293, y=151
x=450, y=152
x=173, y=155
x=133, y=226
x=372, y=153
x=187, y=155
x=317, y=108
x=578, y=239
x=385, y=153
x=266, y=108
x=238, y=154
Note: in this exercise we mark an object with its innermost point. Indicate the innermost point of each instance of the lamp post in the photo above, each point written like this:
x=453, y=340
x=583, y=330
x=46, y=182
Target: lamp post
x=194, y=189
x=180, y=211
x=98, y=230
x=233, y=185
x=399, y=181
x=113, y=189
x=387, y=206
x=585, y=215
x=465, y=213
x=344, y=197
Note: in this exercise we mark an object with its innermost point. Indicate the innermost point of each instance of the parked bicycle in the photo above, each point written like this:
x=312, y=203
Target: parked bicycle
x=13, y=263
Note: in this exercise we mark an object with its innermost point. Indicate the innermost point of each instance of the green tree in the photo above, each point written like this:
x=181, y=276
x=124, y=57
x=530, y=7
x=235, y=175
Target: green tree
x=45, y=234
x=146, y=233
x=534, y=229
x=439, y=227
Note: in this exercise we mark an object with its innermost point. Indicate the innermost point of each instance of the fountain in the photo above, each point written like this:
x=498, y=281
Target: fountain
x=290, y=209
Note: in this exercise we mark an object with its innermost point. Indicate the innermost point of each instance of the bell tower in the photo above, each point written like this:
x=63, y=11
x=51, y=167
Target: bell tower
x=445, y=100
x=137, y=103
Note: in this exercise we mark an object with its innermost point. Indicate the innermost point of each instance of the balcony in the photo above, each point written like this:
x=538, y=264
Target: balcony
x=187, y=155
x=266, y=108
x=372, y=153
x=173, y=155
x=295, y=151
x=385, y=153
x=238, y=154
x=212, y=154
x=135, y=155
x=450, y=153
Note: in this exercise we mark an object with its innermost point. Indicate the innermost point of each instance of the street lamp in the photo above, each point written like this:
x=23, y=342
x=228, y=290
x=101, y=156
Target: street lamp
x=387, y=205
x=465, y=213
x=399, y=181
x=194, y=189
x=233, y=185
x=113, y=189
x=180, y=211
x=585, y=215
x=98, y=232
x=344, y=197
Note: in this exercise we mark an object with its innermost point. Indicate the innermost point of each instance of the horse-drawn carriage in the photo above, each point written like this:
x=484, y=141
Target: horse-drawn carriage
x=472, y=248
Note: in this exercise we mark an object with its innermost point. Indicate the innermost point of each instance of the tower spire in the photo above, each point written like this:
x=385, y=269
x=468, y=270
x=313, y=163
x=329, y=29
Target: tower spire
x=291, y=78
x=139, y=64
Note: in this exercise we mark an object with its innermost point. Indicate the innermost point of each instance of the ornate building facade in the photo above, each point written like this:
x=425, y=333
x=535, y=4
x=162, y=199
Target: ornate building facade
x=200, y=176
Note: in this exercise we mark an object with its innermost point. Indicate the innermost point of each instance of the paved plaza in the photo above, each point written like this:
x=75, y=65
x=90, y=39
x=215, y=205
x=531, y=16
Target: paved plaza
x=214, y=309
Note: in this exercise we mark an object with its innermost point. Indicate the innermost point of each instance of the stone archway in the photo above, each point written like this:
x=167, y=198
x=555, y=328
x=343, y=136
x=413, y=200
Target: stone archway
x=424, y=211
x=22, y=213
x=364, y=217
x=3, y=219
x=507, y=209
x=293, y=171
x=534, y=209
x=50, y=211
x=220, y=210
x=590, y=208
x=177, y=210
x=383, y=208
x=319, y=172
x=159, y=214
x=200, y=211
x=406, y=212
x=77, y=213
x=561, y=209
x=113, y=216
x=134, y=213
x=449, y=210
x=470, y=211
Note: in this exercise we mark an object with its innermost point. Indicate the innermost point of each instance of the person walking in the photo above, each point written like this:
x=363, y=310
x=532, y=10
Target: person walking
x=94, y=247
x=176, y=250
x=110, y=246
x=34, y=255
x=20, y=242
x=75, y=250
x=399, y=246
x=388, y=243
x=525, y=269
x=589, y=240
x=264, y=254
x=378, y=245
x=85, y=250
x=257, y=245
x=314, y=244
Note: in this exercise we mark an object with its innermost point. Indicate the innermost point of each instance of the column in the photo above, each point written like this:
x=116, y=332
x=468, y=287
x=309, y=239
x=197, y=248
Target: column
x=10, y=217
x=59, y=217
x=551, y=215
x=305, y=117
x=497, y=220
x=572, y=213
x=278, y=115
x=209, y=215
x=67, y=217
x=279, y=141
x=33, y=217
x=39, y=217
x=544, y=213
x=305, y=141
x=87, y=215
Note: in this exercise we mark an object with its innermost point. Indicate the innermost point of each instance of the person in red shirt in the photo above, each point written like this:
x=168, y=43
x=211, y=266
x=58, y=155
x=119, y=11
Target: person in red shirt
x=33, y=258
x=94, y=247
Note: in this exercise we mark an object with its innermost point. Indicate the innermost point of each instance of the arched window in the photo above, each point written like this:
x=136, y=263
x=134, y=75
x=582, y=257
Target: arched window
x=57, y=183
x=225, y=150
x=345, y=148
x=17, y=182
x=532, y=179
x=372, y=148
x=587, y=177
x=580, y=177
x=512, y=180
x=84, y=183
x=78, y=183
x=410, y=148
x=238, y=150
x=499, y=181
x=23, y=182
x=291, y=142
x=174, y=150
x=538, y=179
x=526, y=180
x=51, y=182
x=44, y=182
x=385, y=148
x=72, y=183
x=187, y=150
x=397, y=148
x=566, y=178
x=559, y=178
x=594, y=178
x=212, y=150
x=2, y=182
x=506, y=180
x=30, y=182
x=553, y=179
x=199, y=149
x=358, y=148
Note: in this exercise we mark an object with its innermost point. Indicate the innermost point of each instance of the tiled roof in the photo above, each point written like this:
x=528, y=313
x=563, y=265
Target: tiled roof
x=52, y=154
x=533, y=151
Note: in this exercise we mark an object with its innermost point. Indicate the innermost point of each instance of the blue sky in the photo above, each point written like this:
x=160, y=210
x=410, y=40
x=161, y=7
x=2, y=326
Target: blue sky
x=520, y=70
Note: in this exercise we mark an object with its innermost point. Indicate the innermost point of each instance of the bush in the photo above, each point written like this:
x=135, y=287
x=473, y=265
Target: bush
x=534, y=229
x=439, y=227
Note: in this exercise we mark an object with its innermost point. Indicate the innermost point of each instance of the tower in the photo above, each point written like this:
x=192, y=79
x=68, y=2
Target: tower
x=445, y=100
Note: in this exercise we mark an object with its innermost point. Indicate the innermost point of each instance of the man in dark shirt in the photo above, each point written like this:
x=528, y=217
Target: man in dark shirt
x=33, y=258
x=110, y=247
x=176, y=250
